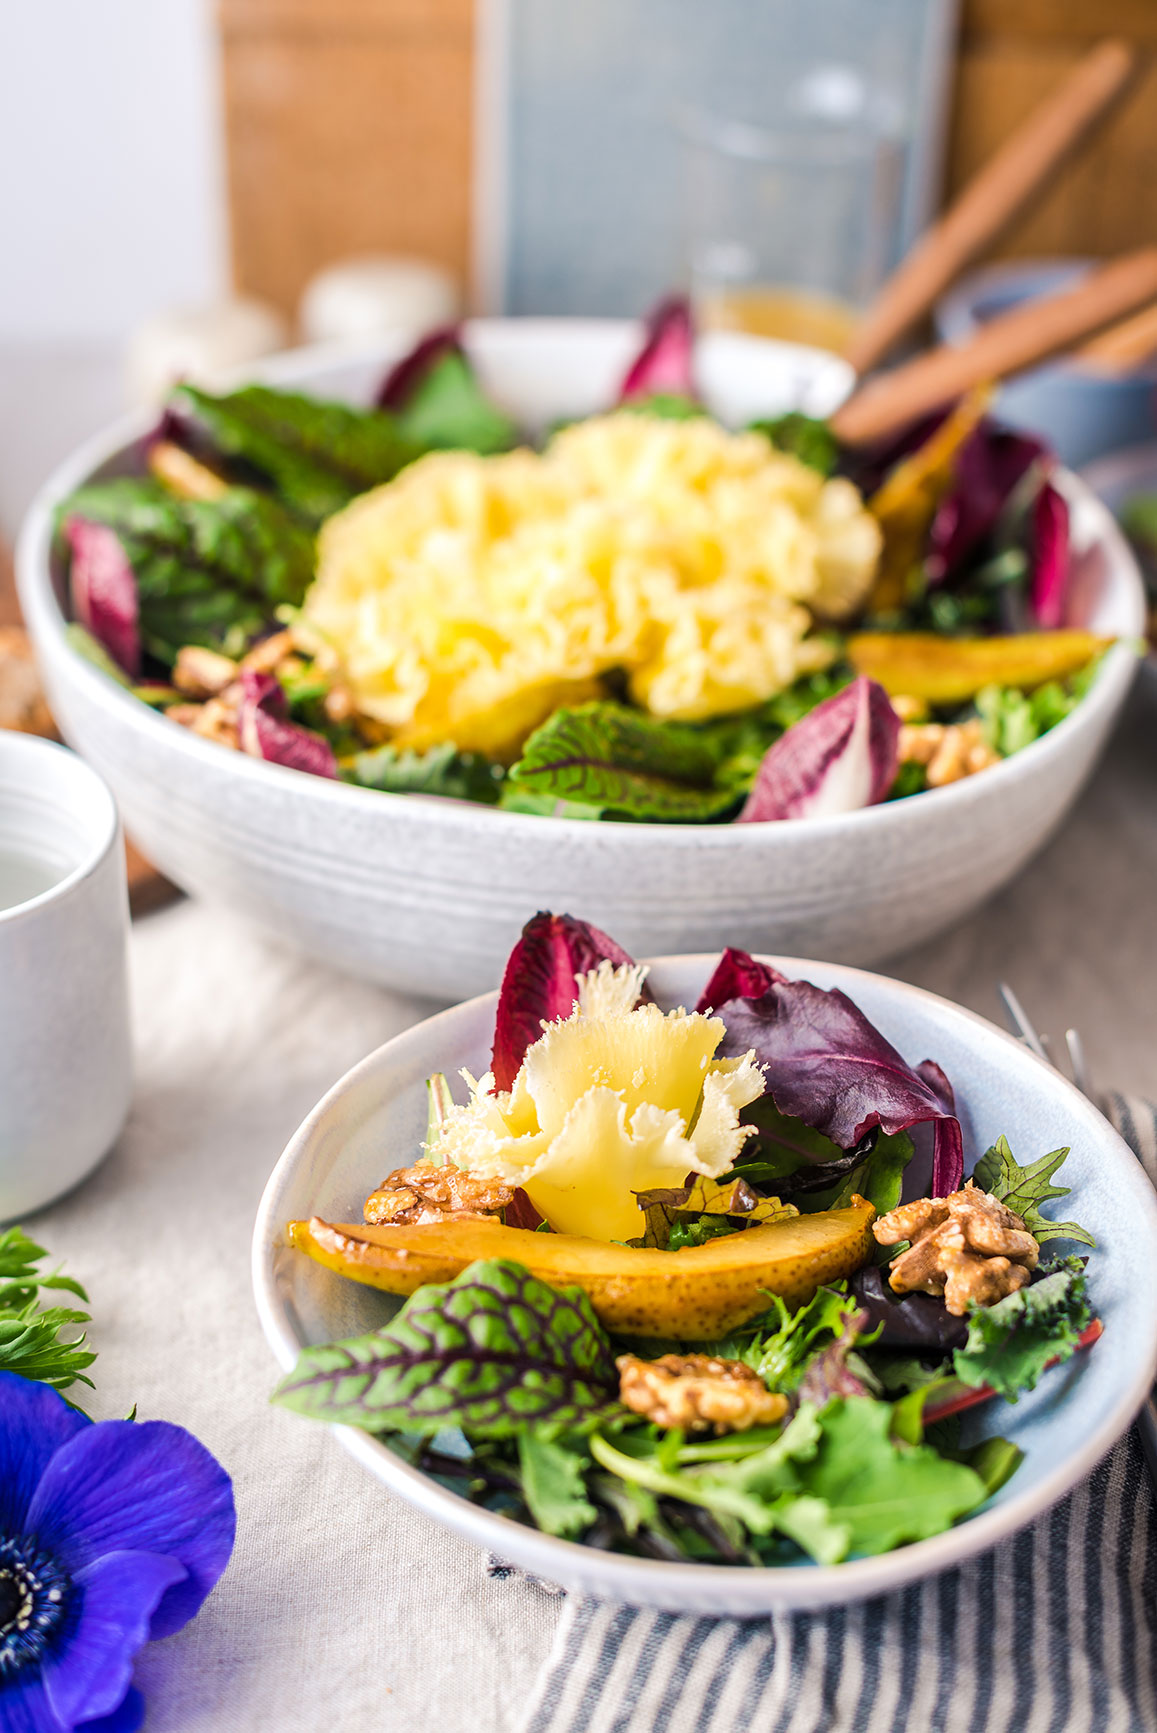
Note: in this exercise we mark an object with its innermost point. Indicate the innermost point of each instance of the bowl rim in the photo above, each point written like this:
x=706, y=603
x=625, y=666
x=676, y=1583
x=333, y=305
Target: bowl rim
x=642, y=1581
x=47, y=623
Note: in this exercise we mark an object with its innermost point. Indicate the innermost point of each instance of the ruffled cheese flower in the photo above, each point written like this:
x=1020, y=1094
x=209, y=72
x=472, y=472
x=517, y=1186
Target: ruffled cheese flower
x=614, y=1099
x=471, y=596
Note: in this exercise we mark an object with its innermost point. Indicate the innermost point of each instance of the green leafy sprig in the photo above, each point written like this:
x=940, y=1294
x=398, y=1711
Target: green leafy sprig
x=1024, y=1189
x=31, y=1340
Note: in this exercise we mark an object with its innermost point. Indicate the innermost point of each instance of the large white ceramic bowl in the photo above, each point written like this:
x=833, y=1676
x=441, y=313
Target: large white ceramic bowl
x=375, y=1117
x=429, y=895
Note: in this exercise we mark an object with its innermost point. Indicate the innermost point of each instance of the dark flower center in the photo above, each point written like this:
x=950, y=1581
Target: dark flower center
x=33, y=1603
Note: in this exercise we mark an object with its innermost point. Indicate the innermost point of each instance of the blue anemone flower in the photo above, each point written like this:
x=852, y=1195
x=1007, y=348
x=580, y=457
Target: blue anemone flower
x=111, y=1534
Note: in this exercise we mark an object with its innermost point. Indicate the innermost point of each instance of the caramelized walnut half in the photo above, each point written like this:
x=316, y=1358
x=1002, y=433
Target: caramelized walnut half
x=425, y=1193
x=695, y=1392
x=968, y=1247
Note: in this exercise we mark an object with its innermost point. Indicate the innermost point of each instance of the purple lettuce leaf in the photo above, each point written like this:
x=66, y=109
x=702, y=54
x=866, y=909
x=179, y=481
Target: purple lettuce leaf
x=826, y=1064
x=539, y=984
x=841, y=756
x=664, y=365
x=266, y=731
x=104, y=591
x=916, y=1321
x=989, y=467
x=737, y=976
x=1050, y=557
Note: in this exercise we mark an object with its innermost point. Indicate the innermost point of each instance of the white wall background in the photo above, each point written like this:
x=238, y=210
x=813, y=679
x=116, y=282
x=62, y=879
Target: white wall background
x=111, y=202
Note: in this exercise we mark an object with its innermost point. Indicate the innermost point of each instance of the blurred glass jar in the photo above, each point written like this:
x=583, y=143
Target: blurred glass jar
x=791, y=230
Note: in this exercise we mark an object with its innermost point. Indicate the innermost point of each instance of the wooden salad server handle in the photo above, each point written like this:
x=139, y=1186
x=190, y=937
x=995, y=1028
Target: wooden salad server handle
x=1122, y=347
x=1018, y=170
x=1029, y=333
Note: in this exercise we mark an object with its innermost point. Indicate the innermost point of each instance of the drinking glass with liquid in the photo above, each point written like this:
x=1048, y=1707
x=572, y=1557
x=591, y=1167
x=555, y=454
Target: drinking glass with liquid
x=791, y=228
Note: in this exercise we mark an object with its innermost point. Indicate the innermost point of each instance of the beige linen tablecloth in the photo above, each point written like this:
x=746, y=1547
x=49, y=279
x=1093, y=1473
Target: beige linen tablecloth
x=342, y=1610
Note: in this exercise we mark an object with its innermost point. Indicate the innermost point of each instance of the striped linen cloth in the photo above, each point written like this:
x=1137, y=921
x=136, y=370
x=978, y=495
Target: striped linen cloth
x=1053, y=1631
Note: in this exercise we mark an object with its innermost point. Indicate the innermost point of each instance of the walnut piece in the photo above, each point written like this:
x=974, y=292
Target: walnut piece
x=202, y=673
x=969, y=1247
x=950, y=751
x=425, y=1193
x=22, y=702
x=696, y=1392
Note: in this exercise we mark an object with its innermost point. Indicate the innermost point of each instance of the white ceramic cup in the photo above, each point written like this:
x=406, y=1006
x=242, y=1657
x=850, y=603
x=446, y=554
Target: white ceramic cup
x=65, y=1055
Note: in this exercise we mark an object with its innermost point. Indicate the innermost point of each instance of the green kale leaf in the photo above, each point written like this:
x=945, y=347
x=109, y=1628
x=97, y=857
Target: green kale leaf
x=607, y=755
x=495, y=1352
x=440, y=770
x=314, y=456
x=208, y=572
x=1010, y=1344
x=552, y=1472
x=805, y=437
x=1024, y=1189
x=448, y=410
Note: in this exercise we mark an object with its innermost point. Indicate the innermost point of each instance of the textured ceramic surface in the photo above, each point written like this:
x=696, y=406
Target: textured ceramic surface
x=429, y=895
x=65, y=1059
x=377, y=1114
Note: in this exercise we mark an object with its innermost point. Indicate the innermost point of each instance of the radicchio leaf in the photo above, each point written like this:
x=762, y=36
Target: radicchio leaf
x=436, y=400
x=267, y=733
x=663, y=367
x=1050, y=557
x=989, y=467
x=737, y=976
x=539, y=984
x=824, y=1063
x=104, y=591
x=841, y=756
x=495, y=1351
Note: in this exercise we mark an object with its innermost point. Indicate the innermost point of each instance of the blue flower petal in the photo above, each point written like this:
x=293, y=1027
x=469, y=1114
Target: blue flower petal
x=126, y=1719
x=24, y=1707
x=89, y=1674
x=34, y=1423
x=135, y=1486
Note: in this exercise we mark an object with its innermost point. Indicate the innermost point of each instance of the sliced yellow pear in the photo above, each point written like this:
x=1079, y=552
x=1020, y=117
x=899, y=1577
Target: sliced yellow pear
x=694, y=1294
x=952, y=670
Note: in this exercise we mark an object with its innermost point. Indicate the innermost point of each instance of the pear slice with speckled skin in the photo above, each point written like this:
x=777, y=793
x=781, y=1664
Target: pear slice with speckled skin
x=693, y=1295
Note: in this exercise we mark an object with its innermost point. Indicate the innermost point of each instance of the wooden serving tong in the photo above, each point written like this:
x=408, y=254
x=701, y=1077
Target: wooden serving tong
x=1029, y=333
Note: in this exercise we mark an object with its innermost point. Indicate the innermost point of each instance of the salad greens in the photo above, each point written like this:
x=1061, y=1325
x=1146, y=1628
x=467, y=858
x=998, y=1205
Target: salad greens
x=826, y=1424
x=216, y=547
x=313, y=456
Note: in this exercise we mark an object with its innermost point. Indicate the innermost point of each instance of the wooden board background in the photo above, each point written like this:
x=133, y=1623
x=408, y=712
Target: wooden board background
x=349, y=129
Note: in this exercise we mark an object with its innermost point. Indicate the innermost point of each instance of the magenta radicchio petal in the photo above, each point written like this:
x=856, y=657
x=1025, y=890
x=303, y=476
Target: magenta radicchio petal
x=403, y=380
x=824, y=1063
x=737, y=976
x=266, y=731
x=538, y=985
x=841, y=756
x=989, y=465
x=663, y=367
x=1050, y=557
x=104, y=591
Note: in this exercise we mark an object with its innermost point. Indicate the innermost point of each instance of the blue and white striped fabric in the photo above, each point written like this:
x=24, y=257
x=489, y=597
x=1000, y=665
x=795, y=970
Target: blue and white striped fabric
x=1054, y=1631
